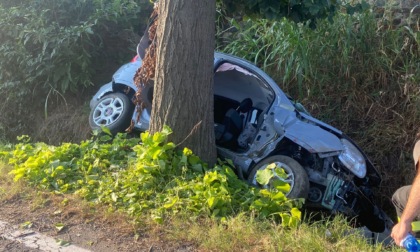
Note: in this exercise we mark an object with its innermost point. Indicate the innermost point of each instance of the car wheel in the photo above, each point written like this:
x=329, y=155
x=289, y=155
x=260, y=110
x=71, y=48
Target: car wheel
x=297, y=177
x=113, y=111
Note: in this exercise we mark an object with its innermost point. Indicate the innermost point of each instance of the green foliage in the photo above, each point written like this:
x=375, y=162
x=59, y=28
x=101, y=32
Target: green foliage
x=48, y=55
x=351, y=49
x=264, y=177
x=55, y=48
x=295, y=10
x=52, y=43
x=66, y=167
x=151, y=177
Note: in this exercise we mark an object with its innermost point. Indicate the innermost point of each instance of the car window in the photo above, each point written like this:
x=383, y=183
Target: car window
x=237, y=83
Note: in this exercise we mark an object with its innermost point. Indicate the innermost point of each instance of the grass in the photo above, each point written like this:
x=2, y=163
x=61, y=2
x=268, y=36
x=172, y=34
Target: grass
x=238, y=233
x=246, y=234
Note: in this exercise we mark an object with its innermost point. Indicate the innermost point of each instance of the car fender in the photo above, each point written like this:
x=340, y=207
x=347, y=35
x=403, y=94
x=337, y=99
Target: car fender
x=321, y=124
x=107, y=88
x=142, y=122
x=313, y=138
x=125, y=74
x=310, y=136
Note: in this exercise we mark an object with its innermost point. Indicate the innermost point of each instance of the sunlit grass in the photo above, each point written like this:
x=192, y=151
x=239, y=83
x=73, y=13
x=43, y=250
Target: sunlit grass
x=8, y=188
x=242, y=233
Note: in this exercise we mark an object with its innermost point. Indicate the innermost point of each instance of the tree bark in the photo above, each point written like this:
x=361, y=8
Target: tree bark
x=183, y=91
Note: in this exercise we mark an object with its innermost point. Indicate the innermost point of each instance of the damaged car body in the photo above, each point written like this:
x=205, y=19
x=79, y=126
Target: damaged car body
x=257, y=124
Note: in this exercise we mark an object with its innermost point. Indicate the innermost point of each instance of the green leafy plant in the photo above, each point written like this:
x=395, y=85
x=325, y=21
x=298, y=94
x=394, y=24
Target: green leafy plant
x=297, y=10
x=52, y=42
x=147, y=176
x=52, y=48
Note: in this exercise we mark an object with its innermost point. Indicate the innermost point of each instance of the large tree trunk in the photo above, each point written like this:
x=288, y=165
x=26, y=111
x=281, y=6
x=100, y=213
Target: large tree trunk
x=183, y=92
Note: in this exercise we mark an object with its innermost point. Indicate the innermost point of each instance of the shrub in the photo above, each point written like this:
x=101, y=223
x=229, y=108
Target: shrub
x=51, y=47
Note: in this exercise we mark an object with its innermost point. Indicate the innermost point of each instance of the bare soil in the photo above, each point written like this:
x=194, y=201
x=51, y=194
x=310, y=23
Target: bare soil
x=85, y=226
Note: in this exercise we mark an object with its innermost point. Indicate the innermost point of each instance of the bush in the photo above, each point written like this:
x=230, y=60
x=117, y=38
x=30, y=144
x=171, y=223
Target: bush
x=49, y=48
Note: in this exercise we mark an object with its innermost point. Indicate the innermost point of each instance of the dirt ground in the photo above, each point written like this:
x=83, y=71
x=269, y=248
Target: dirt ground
x=84, y=226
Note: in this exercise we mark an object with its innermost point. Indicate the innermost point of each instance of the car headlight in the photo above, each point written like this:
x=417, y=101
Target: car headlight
x=353, y=159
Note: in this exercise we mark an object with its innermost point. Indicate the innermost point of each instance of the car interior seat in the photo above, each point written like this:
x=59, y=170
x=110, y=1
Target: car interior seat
x=227, y=133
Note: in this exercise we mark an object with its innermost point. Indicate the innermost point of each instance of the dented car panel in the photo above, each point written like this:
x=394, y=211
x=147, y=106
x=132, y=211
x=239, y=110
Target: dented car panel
x=124, y=74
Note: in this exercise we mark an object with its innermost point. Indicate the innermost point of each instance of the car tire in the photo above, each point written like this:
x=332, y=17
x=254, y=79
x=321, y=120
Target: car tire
x=113, y=111
x=299, y=181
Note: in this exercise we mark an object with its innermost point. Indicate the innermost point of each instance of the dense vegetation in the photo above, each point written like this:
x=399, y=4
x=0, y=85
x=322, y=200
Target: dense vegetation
x=53, y=51
x=358, y=73
x=152, y=178
x=160, y=187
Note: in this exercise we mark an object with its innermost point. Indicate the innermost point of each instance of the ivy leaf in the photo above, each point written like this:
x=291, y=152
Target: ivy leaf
x=295, y=218
x=159, y=138
x=26, y=224
x=106, y=130
x=197, y=167
x=59, y=226
x=285, y=219
x=171, y=203
x=212, y=201
x=281, y=186
x=62, y=243
x=114, y=197
x=279, y=196
x=166, y=130
x=296, y=213
x=264, y=176
x=156, y=153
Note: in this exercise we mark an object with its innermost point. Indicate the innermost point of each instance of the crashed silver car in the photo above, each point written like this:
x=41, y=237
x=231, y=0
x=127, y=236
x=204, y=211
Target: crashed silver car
x=257, y=124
